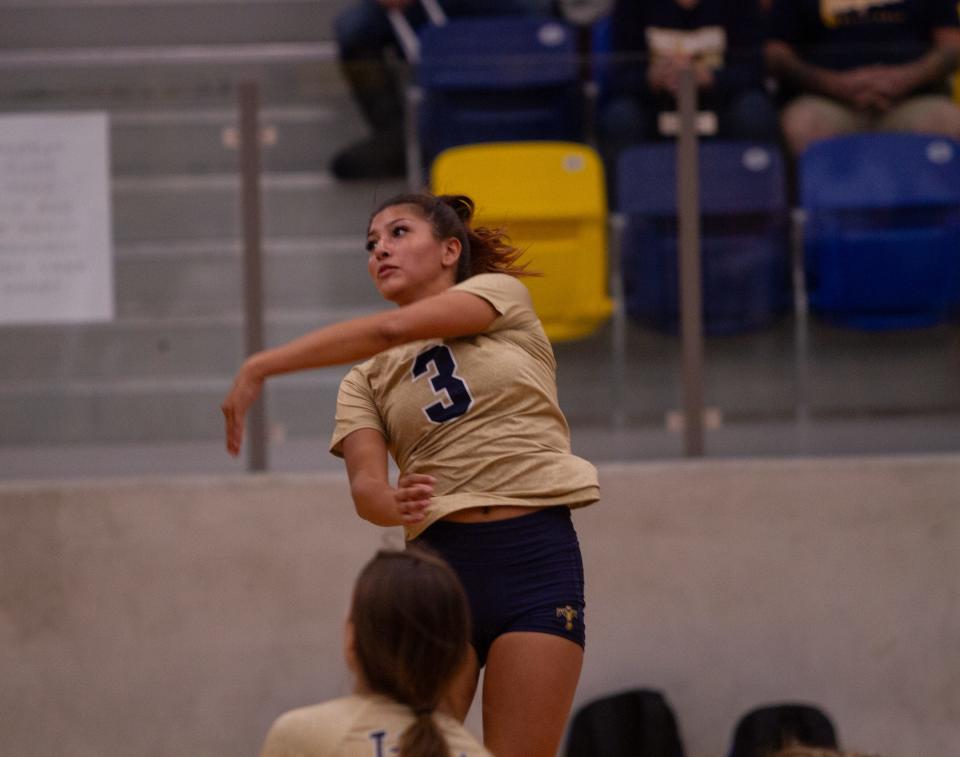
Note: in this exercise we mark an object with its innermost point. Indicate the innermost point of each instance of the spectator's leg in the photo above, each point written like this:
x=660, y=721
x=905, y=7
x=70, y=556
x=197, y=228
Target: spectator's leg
x=925, y=114
x=809, y=118
x=622, y=122
x=364, y=37
x=496, y=7
x=749, y=115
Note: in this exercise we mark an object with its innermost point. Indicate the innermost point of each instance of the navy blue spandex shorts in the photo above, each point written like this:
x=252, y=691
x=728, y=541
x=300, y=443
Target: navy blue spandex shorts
x=520, y=574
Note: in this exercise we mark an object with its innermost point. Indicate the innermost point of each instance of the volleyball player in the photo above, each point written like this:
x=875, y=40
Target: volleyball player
x=405, y=639
x=459, y=386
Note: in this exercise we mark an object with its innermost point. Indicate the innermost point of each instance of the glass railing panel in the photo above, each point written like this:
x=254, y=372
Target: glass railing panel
x=140, y=392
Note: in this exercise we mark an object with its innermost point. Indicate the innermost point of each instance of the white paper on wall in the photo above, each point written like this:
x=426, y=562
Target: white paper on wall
x=56, y=253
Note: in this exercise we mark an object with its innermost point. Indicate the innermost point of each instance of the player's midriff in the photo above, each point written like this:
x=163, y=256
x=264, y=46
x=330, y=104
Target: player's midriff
x=489, y=513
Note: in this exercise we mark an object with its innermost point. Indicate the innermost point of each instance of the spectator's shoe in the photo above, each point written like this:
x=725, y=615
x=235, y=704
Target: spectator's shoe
x=379, y=156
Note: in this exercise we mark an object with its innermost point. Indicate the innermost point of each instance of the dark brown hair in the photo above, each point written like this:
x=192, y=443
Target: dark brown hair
x=411, y=630
x=483, y=250
x=798, y=749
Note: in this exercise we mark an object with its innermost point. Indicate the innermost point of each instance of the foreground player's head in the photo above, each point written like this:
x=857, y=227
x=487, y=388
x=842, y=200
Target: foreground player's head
x=801, y=750
x=408, y=631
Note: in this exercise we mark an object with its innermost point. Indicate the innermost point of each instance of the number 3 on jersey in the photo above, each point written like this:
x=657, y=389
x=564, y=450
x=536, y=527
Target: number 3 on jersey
x=455, y=397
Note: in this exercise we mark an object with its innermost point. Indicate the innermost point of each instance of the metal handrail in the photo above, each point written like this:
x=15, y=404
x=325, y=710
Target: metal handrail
x=173, y=55
x=251, y=204
x=689, y=262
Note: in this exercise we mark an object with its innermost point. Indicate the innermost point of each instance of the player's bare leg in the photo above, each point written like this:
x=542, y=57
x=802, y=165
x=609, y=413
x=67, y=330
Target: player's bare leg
x=528, y=689
x=463, y=688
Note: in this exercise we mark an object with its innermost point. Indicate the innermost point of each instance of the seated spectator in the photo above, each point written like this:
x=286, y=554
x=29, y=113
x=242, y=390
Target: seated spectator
x=406, y=638
x=847, y=66
x=365, y=41
x=653, y=39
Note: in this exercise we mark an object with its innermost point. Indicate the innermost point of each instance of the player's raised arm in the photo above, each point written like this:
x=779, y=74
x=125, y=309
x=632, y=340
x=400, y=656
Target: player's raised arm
x=445, y=315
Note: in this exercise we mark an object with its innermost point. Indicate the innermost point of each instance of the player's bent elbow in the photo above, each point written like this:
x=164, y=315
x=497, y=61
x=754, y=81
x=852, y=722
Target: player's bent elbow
x=371, y=509
x=393, y=331
x=375, y=516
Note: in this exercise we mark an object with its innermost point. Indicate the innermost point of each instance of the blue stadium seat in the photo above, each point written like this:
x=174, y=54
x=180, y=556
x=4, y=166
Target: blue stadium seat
x=744, y=228
x=498, y=79
x=882, y=229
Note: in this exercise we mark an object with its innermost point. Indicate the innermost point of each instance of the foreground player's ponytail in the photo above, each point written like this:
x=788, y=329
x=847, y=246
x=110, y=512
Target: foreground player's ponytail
x=482, y=249
x=411, y=627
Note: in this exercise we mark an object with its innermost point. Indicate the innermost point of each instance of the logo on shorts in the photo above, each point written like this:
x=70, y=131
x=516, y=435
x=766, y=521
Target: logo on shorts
x=568, y=614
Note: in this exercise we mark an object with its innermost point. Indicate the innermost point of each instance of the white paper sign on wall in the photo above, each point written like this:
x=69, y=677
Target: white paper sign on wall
x=56, y=253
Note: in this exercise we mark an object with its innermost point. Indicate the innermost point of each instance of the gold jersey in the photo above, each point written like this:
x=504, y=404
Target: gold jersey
x=478, y=413
x=357, y=726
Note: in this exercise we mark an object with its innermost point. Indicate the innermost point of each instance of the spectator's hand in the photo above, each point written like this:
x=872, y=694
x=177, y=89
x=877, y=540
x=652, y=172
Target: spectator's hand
x=394, y=4
x=244, y=392
x=663, y=75
x=858, y=87
x=705, y=76
x=412, y=497
x=893, y=82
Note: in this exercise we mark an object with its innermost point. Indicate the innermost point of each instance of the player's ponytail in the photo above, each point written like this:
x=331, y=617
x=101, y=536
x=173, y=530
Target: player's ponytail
x=482, y=249
x=411, y=630
x=423, y=737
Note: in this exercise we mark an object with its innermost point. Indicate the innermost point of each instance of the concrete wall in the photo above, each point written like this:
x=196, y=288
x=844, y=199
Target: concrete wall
x=152, y=618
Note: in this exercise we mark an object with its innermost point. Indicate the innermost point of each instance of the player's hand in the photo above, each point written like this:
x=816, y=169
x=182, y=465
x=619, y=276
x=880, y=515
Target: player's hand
x=244, y=392
x=413, y=496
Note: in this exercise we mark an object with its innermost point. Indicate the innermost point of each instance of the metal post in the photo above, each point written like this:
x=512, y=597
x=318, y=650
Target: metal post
x=250, y=204
x=801, y=327
x=691, y=305
x=589, y=87
x=618, y=326
x=412, y=94
x=413, y=98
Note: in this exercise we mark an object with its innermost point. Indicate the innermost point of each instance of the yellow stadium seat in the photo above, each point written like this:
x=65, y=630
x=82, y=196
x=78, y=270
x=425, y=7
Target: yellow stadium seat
x=551, y=199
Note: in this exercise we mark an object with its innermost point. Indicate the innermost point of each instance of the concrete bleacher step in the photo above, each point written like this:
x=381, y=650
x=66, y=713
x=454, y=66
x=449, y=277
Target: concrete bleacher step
x=80, y=23
x=150, y=348
x=165, y=209
x=167, y=410
x=83, y=53
x=102, y=378
x=180, y=406
x=166, y=73
x=146, y=379
x=197, y=280
x=748, y=376
x=199, y=141
x=181, y=139
x=111, y=79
